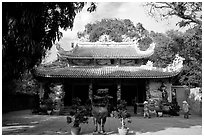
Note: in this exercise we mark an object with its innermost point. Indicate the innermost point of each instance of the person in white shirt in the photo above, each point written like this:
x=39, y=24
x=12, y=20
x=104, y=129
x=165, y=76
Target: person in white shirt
x=186, y=109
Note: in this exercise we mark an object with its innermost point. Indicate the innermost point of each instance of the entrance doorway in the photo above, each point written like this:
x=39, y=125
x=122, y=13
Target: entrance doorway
x=128, y=93
x=81, y=91
x=132, y=89
x=74, y=90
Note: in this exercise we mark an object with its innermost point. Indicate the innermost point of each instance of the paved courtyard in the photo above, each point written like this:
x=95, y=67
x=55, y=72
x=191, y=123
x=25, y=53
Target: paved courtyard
x=25, y=123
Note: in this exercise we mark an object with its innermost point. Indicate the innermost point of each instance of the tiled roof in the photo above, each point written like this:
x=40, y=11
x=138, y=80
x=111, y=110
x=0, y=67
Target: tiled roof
x=102, y=72
x=112, y=51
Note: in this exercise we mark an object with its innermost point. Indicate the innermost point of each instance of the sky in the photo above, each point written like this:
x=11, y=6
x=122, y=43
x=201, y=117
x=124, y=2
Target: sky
x=135, y=11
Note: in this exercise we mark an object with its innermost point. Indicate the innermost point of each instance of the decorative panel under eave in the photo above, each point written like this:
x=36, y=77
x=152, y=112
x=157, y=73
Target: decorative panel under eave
x=82, y=62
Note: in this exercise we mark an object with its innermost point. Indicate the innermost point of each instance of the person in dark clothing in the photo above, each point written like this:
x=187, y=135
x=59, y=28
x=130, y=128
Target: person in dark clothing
x=134, y=102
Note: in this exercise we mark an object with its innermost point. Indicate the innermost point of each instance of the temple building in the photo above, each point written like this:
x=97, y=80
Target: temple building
x=120, y=67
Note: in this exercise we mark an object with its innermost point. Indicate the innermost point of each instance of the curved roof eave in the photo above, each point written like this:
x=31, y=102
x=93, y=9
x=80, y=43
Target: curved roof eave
x=126, y=72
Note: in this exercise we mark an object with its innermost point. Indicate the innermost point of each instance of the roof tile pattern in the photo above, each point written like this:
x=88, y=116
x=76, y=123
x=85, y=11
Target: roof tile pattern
x=103, y=72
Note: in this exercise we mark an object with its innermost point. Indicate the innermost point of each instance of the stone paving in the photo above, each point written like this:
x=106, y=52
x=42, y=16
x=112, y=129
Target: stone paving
x=25, y=123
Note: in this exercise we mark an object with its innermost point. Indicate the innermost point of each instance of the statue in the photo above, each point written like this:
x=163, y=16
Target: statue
x=164, y=93
x=100, y=105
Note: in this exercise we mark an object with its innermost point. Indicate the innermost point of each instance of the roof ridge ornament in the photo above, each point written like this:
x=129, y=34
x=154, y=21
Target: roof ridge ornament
x=84, y=38
x=148, y=66
x=105, y=38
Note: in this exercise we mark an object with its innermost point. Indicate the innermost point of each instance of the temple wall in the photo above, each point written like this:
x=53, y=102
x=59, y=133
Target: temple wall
x=154, y=85
x=181, y=94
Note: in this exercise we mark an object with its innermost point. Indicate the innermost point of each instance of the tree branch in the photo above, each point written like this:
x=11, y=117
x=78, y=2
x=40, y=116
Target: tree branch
x=180, y=9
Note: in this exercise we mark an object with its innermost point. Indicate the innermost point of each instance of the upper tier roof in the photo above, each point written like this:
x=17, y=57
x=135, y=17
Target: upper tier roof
x=59, y=69
x=103, y=50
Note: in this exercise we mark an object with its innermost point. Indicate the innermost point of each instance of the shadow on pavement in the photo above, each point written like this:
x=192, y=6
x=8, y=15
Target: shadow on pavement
x=25, y=123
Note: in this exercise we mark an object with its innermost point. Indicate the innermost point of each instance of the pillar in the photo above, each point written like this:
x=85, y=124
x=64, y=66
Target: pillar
x=91, y=91
x=118, y=91
x=148, y=95
x=170, y=92
x=94, y=62
x=37, y=103
x=41, y=90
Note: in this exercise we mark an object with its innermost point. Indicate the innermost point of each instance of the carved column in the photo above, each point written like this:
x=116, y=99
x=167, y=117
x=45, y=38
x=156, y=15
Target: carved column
x=91, y=91
x=170, y=91
x=118, y=91
x=41, y=91
x=148, y=95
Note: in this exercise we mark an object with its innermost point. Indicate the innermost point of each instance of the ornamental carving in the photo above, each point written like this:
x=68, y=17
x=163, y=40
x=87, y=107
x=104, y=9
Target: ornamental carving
x=57, y=95
x=91, y=91
x=84, y=39
x=148, y=65
x=148, y=95
x=176, y=65
x=105, y=38
x=118, y=92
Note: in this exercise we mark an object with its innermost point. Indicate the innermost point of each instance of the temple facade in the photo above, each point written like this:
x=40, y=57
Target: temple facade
x=120, y=67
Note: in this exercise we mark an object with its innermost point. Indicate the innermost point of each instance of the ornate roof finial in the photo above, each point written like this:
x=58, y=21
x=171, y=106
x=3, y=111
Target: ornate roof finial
x=104, y=38
x=84, y=38
x=148, y=65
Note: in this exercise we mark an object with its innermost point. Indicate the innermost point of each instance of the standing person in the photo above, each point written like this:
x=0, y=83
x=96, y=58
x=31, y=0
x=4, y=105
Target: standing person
x=134, y=102
x=186, y=109
x=146, y=110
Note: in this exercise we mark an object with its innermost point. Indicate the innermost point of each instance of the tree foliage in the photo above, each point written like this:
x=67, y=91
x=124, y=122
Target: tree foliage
x=188, y=12
x=119, y=30
x=187, y=45
x=27, y=84
x=192, y=51
x=115, y=28
x=29, y=29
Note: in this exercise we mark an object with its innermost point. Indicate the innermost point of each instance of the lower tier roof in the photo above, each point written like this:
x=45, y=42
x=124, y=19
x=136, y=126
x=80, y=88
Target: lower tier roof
x=102, y=72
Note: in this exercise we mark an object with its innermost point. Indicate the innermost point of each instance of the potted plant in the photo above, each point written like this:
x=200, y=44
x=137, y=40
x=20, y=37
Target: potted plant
x=124, y=117
x=78, y=115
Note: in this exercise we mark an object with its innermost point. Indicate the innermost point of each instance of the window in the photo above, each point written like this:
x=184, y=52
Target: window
x=81, y=62
x=103, y=62
x=127, y=62
x=112, y=61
